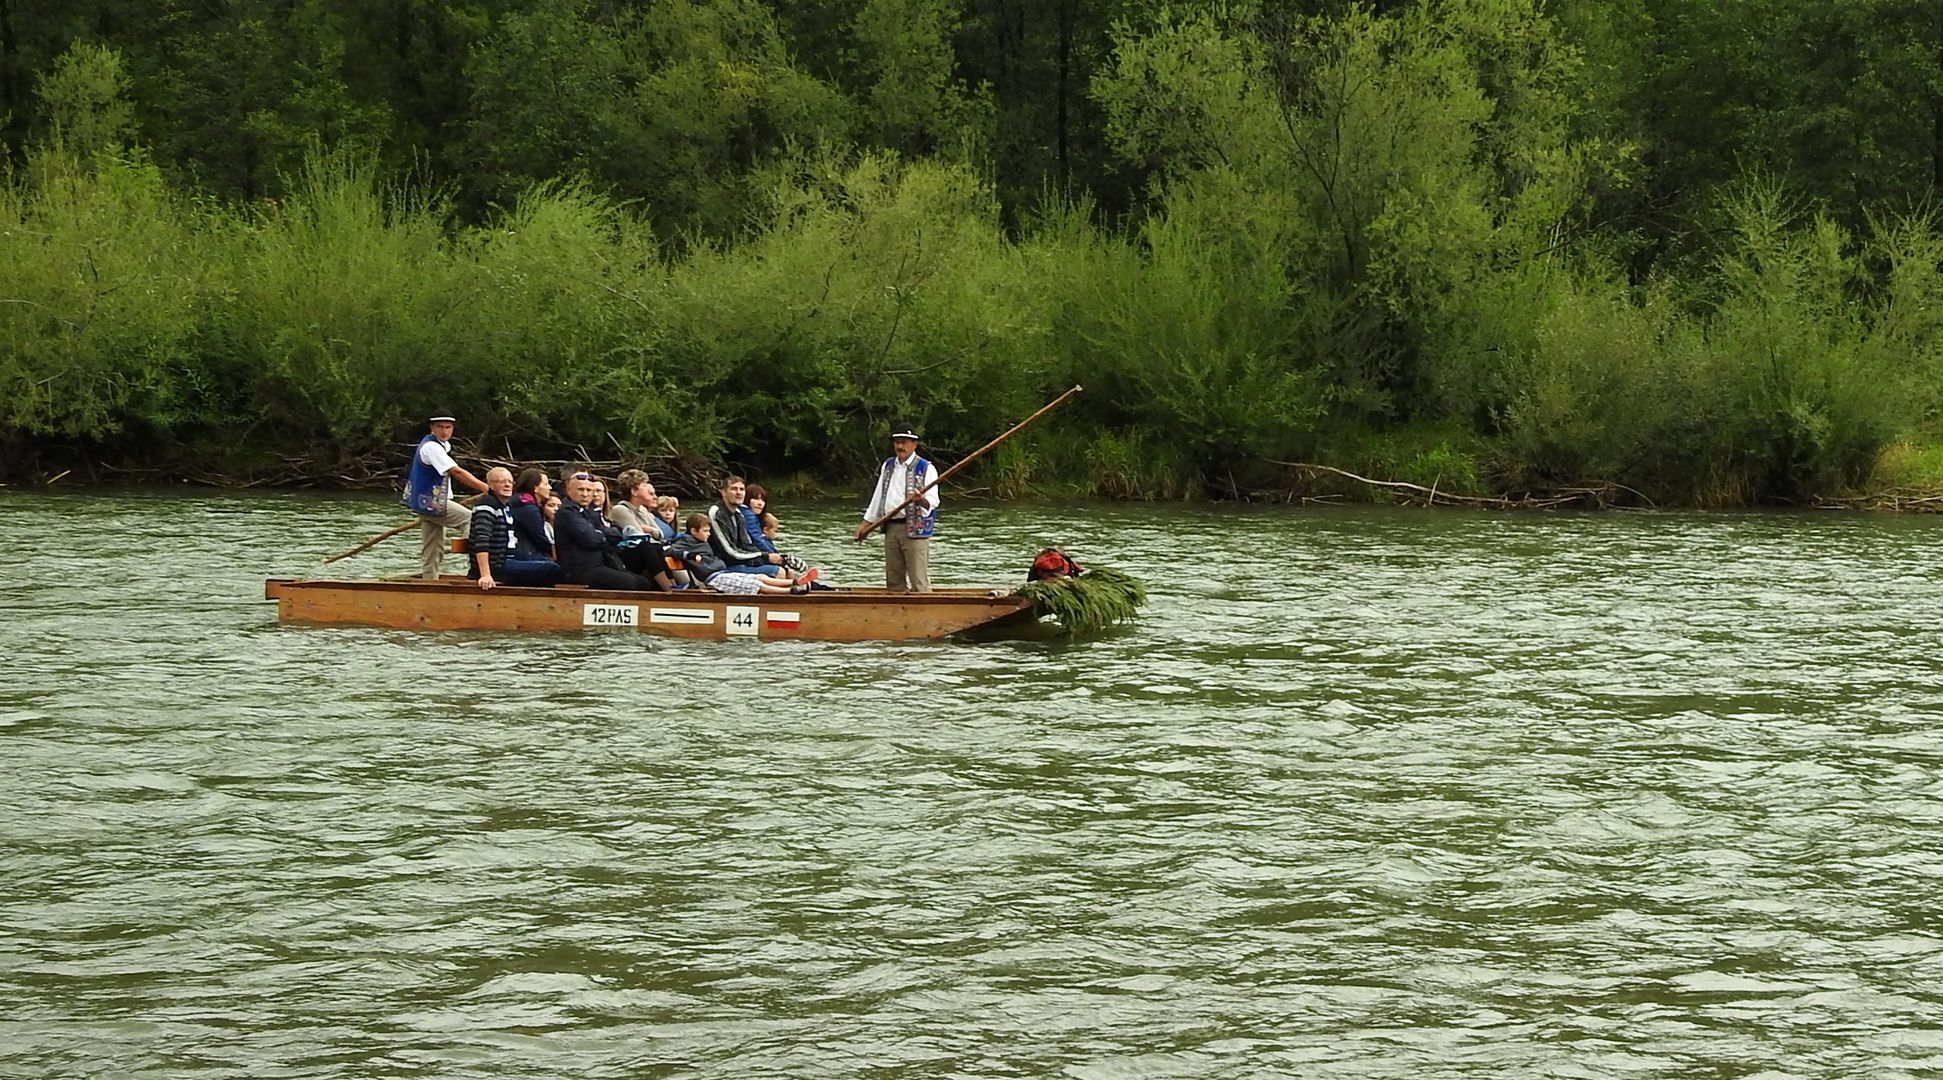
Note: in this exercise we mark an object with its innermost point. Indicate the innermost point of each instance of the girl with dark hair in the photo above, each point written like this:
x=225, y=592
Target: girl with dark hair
x=754, y=502
x=530, y=493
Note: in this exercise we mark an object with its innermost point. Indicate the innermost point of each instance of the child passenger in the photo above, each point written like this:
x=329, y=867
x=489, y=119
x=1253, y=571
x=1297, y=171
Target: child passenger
x=551, y=508
x=665, y=509
x=772, y=533
x=691, y=547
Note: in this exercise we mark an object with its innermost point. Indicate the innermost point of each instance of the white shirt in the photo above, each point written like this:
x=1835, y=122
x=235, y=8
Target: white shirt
x=891, y=490
x=438, y=455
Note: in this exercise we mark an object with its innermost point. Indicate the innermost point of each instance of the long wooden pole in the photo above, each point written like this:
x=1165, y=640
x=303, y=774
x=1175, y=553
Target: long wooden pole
x=386, y=535
x=371, y=543
x=869, y=527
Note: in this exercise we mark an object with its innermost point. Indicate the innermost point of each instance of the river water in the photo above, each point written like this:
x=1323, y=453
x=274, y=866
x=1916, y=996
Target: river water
x=1366, y=793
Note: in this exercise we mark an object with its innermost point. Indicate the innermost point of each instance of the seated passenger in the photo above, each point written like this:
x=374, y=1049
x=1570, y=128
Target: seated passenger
x=694, y=550
x=636, y=507
x=597, y=496
x=666, y=509
x=755, y=502
x=755, y=507
x=734, y=541
x=497, y=556
x=530, y=494
x=772, y=531
x=641, y=543
x=585, y=542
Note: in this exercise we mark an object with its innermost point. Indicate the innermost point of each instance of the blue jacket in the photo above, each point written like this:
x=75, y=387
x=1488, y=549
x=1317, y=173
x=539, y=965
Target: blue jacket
x=529, y=524
x=754, y=524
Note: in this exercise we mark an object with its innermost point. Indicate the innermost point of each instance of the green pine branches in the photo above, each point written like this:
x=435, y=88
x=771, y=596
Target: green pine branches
x=1091, y=602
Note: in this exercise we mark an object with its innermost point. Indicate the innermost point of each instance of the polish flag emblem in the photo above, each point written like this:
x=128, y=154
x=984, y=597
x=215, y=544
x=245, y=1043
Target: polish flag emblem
x=788, y=620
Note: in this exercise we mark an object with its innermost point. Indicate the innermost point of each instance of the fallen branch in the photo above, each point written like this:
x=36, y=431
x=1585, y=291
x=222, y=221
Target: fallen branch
x=1900, y=500
x=1596, y=496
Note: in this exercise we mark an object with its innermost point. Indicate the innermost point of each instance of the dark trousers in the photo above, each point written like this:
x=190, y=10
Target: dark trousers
x=528, y=572
x=606, y=577
x=646, y=558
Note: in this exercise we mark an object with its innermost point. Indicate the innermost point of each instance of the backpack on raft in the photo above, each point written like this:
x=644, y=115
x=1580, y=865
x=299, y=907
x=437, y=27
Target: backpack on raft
x=1053, y=563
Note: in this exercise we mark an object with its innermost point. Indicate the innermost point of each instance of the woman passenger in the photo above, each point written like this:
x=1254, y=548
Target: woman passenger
x=641, y=544
x=754, y=502
x=530, y=494
x=635, y=511
x=763, y=529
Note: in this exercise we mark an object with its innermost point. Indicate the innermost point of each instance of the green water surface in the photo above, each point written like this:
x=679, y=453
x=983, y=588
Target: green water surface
x=1365, y=794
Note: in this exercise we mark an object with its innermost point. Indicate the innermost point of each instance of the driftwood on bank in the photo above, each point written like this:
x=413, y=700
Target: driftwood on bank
x=1900, y=500
x=376, y=469
x=1589, y=497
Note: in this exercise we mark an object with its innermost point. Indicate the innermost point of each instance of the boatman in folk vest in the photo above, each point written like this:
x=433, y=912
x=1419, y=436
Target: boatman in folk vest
x=428, y=492
x=907, y=535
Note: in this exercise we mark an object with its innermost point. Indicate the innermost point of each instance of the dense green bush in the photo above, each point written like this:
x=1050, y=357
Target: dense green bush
x=1364, y=239
x=99, y=280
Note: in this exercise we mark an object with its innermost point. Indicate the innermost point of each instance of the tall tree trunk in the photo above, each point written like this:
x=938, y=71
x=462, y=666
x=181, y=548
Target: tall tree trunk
x=12, y=107
x=1936, y=106
x=1065, y=82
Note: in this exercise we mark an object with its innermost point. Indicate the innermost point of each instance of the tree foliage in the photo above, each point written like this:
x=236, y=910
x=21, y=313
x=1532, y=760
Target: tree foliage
x=1680, y=245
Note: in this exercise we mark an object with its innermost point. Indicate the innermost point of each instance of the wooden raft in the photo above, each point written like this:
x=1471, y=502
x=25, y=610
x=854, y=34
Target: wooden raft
x=455, y=603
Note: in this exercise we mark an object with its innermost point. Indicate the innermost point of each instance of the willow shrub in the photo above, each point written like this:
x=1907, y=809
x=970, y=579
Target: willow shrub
x=340, y=314
x=1188, y=336
x=877, y=292
x=98, y=284
x=568, y=289
x=1780, y=373
x=1827, y=357
x=352, y=307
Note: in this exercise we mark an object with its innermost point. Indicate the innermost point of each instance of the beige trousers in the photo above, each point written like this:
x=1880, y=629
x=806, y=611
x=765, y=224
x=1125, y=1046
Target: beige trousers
x=431, y=532
x=907, y=562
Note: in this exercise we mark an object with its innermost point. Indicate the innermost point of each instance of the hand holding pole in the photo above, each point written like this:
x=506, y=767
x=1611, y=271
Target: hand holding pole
x=869, y=527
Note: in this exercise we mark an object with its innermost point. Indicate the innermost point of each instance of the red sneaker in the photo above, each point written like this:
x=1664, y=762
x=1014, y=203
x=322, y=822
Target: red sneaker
x=808, y=576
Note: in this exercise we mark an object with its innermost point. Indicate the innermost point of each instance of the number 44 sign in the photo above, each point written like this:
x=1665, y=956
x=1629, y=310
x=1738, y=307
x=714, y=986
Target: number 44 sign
x=743, y=621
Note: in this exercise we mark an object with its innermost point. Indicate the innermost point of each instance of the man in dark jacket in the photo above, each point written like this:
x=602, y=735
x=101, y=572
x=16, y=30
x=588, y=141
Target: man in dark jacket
x=584, y=542
x=497, y=558
x=729, y=535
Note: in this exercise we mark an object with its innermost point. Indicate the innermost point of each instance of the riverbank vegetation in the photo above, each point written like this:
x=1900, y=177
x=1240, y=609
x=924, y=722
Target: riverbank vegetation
x=1678, y=253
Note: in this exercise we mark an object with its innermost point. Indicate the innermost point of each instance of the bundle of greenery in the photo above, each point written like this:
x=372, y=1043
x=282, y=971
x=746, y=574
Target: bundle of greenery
x=1088, y=602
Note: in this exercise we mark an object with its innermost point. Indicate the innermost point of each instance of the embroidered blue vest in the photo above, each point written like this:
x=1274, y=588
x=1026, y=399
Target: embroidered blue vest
x=426, y=491
x=920, y=518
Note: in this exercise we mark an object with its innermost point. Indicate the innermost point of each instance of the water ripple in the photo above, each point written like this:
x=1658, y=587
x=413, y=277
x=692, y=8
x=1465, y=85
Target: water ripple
x=1377, y=794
